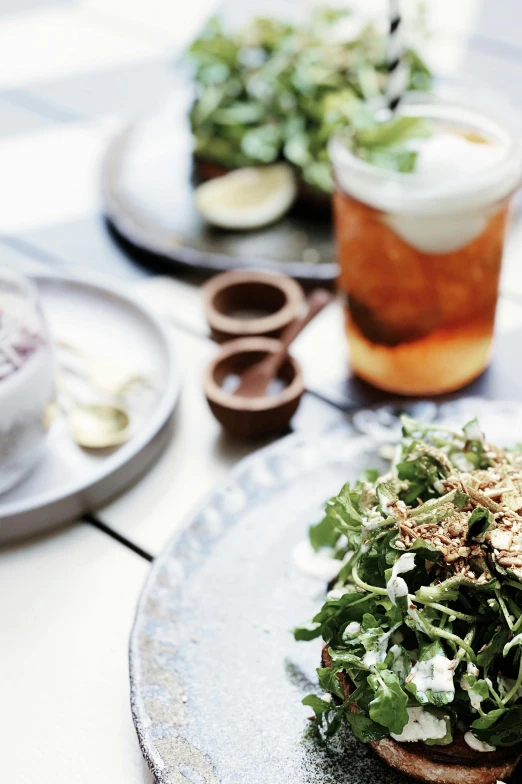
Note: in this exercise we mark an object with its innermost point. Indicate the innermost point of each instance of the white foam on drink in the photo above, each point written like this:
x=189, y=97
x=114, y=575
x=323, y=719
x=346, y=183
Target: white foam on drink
x=446, y=154
x=457, y=184
x=443, y=158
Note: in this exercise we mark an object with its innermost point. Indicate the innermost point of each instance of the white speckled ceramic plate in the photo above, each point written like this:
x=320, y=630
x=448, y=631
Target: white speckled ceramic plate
x=216, y=676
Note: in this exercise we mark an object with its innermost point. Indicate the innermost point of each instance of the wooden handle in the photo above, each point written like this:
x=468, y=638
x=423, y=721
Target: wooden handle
x=255, y=380
x=318, y=299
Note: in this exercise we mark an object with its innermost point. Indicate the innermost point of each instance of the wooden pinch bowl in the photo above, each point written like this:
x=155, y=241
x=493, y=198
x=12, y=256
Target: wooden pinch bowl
x=252, y=417
x=230, y=296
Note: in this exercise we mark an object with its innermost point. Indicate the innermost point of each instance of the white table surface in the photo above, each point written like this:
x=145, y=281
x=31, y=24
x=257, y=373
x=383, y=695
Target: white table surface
x=70, y=72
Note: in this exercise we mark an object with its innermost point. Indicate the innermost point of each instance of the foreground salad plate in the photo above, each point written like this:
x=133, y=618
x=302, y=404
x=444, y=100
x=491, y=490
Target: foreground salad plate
x=217, y=678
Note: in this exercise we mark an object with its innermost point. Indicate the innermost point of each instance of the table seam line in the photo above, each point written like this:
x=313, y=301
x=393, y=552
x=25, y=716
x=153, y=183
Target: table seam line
x=92, y=519
x=43, y=107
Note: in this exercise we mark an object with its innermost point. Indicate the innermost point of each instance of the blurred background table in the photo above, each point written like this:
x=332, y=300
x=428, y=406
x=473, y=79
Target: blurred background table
x=70, y=74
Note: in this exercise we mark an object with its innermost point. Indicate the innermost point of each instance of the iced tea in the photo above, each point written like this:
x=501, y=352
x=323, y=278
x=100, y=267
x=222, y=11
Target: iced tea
x=420, y=254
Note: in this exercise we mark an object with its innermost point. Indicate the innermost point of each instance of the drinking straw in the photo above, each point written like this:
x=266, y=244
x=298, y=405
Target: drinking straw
x=396, y=82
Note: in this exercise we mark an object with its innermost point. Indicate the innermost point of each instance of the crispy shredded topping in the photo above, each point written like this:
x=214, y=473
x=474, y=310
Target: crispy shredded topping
x=497, y=489
x=426, y=611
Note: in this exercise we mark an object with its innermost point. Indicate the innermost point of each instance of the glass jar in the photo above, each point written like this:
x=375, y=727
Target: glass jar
x=420, y=253
x=26, y=378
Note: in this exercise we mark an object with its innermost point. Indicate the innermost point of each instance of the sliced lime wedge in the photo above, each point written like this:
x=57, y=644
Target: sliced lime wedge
x=247, y=198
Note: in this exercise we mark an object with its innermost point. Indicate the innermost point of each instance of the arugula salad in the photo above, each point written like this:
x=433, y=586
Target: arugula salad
x=275, y=91
x=425, y=618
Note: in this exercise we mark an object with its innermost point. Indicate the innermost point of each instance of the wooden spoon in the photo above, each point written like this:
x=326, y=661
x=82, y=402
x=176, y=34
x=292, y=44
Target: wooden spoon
x=255, y=380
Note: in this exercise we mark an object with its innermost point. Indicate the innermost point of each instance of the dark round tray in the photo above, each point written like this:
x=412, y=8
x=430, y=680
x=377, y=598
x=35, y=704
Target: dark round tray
x=148, y=183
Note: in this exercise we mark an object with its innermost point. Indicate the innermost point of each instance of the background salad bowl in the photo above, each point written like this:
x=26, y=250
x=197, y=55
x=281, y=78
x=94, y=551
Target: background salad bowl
x=249, y=94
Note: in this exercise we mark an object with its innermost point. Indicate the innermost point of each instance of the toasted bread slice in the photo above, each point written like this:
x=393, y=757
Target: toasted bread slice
x=456, y=763
x=306, y=195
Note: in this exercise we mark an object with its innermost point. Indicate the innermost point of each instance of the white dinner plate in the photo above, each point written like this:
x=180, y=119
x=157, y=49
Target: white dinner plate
x=69, y=481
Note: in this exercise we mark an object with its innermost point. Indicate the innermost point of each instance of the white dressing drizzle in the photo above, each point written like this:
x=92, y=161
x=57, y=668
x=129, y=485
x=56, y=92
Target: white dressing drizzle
x=434, y=674
x=422, y=725
x=319, y=564
x=476, y=744
x=396, y=585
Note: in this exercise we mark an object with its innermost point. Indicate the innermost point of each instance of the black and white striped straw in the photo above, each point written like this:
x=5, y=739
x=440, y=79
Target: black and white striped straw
x=397, y=72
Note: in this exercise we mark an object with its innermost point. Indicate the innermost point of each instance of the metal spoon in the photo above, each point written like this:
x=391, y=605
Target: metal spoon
x=93, y=425
x=98, y=426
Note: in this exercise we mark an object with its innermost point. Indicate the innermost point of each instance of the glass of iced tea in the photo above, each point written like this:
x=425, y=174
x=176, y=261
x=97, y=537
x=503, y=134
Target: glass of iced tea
x=420, y=252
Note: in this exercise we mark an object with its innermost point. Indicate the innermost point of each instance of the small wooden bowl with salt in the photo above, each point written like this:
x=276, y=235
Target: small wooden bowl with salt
x=254, y=386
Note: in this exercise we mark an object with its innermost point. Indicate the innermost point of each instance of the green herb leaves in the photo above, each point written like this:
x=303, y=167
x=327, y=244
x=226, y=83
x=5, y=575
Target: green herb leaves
x=329, y=681
x=386, y=498
x=430, y=624
x=318, y=705
x=274, y=90
x=388, y=707
x=477, y=690
x=493, y=647
x=342, y=517
x=481, y=520
x=421, y=470
x=432, y=681
x=425, y=550
x=335, y=615
x=384, y=144
x=325, y=711
x=365, y=729
x=324, y=534
x=500, y=727
x=397, y=131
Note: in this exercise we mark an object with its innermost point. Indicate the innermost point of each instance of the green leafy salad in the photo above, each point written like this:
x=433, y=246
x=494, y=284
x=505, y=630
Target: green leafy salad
x=276, y=91
x=424, y=622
